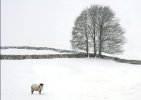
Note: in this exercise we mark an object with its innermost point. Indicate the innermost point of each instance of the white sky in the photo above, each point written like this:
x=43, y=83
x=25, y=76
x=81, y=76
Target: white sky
x=49, y=22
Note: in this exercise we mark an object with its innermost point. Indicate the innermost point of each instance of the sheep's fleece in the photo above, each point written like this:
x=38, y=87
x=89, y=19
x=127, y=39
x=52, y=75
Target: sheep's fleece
x=37, y=87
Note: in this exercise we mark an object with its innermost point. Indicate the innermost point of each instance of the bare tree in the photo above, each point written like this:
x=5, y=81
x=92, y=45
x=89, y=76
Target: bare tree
x=98, y=25
x=80, y=38
x=112, y=38
x=93, y=15
x=110, y=32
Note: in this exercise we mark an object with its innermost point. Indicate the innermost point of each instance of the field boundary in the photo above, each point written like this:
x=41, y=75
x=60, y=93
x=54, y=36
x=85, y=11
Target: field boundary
x=51, y=56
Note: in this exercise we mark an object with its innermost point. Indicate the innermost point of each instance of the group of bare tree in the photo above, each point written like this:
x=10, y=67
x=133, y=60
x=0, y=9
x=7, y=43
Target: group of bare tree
x=97, y=29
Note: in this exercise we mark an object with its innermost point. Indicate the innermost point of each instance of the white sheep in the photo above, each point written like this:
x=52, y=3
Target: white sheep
x=37, y=87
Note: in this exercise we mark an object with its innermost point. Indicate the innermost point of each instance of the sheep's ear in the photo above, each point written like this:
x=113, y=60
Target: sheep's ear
x=41, y=84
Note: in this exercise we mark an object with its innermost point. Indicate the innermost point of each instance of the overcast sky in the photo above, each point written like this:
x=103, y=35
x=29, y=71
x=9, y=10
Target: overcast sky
x=49, y=22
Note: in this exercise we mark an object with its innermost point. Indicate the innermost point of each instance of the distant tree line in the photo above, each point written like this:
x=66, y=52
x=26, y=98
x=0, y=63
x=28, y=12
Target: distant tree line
x=97, y=29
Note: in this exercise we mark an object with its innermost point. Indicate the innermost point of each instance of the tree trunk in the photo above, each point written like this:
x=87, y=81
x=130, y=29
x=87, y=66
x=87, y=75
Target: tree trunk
x=100, y=39
x=87, y=46
x=100, y=44
x=94, y=45
x=94, y=42
x=99, y=54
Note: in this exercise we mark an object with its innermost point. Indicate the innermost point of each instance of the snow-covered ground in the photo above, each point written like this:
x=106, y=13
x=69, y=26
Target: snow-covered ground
x=26, y=52
x=131, y=55
x=70, y=79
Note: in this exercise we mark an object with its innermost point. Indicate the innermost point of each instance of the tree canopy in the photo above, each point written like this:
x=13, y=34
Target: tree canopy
x=97, y=29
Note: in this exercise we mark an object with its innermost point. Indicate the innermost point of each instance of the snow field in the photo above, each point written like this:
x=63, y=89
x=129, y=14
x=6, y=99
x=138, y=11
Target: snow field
x=70, y=79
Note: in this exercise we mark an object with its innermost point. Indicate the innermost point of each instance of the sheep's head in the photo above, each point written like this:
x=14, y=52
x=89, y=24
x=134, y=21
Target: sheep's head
x=41, y=84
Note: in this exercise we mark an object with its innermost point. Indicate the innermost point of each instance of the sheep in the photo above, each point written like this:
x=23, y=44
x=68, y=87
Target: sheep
x=37, y=87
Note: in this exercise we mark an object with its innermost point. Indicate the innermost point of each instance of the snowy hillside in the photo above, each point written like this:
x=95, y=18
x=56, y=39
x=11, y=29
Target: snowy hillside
x=27, y=50
x=70, y=79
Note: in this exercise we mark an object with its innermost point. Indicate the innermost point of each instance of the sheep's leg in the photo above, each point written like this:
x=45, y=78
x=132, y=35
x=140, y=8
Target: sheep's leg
x=40, y=92
x=32, y=91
